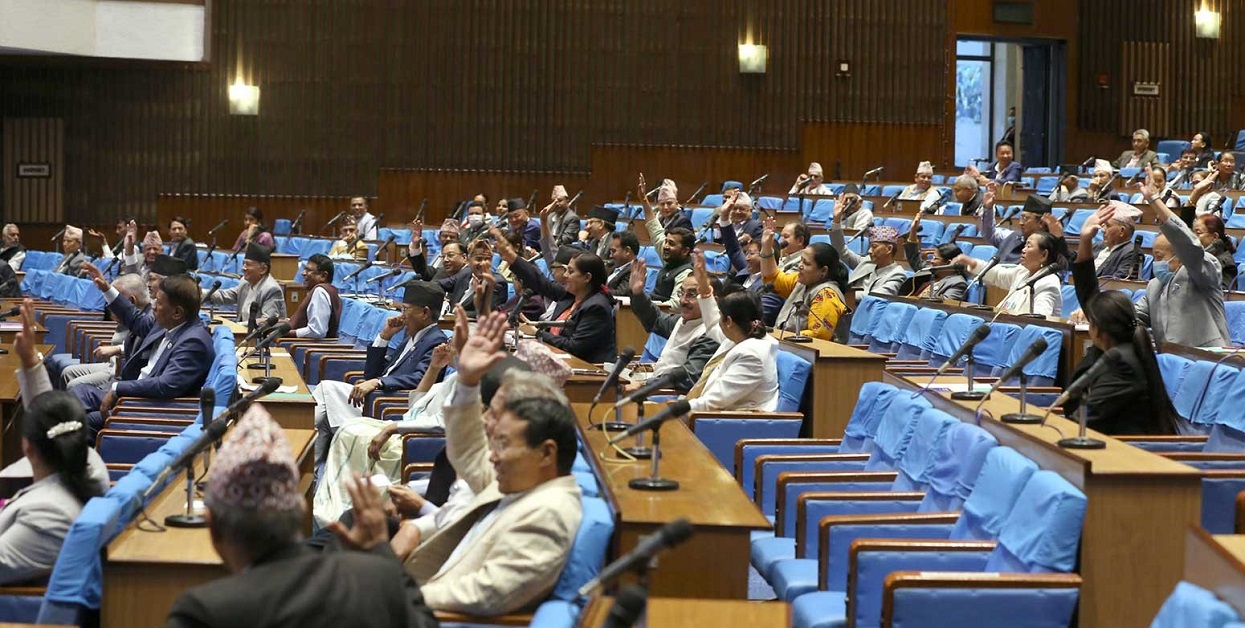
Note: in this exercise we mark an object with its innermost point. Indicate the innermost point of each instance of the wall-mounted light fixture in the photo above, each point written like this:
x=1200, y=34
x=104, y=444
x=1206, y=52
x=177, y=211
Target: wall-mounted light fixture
x=752, y=58
x=1206, y=23
x=243, y=99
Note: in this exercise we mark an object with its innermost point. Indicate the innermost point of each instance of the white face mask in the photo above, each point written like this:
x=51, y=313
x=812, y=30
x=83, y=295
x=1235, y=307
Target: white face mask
x=475, y=220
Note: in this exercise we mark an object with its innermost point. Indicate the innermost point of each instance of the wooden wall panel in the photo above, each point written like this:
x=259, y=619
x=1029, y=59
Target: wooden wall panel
x=352, y=86
x=1146, y=62
x=34, y=141
x=1204, y=75
x=206, y=210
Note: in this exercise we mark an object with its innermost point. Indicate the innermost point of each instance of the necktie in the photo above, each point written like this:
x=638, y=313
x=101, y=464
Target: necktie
x=710, y=367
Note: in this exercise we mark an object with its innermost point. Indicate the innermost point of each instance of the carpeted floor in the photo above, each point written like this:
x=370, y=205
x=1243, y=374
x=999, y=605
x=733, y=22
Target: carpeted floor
x=758, y=588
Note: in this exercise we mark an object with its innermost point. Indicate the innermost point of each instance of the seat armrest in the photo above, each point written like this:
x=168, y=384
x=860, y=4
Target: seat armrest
x=759, y=467
x=737, y=414
x=960, y=580
x=514, y=619
x=415, y=467
x=1162, y=439
x=826, y=524
x=744, y=442
x=860, y=546
x=801, y=507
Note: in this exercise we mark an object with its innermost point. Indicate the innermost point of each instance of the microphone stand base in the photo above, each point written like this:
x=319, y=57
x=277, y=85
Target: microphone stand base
x=185, y=521
x=1037, y=316
x=1081, y=442
x=261, y=379
x=1020, y=418
x=976, y=306
x=653, y=484
x=799, y=339
x=613, y=426
x=639, y=453
x=973, y=395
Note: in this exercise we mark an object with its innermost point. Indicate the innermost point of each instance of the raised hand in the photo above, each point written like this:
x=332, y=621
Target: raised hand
x=370, y=528
x=95, y=276
x=641, y=188
x=914, y=231
x=987, y=199
x=24, y=340
x=442, y=355
x=483, y=349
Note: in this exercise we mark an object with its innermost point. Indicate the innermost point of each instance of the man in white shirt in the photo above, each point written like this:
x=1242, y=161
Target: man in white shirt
x=384, y=371
x=320, y=313
x=368, y=229
x=687, y=348
x=811, y=182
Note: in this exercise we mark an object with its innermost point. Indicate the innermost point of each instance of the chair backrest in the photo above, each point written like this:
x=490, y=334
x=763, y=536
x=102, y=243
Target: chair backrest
x=1045, y=369
x=1210, y=403
x=76, y=582
x=653, y=347
x=588, y=550
x=1002, y=477
x=1173, y=368
x=1043, y=531
x=915, y=464
x=874, y=399
x=793, y=374
x=995, y=349
x=955, y=331
x=983, y=251
x=923, y=329
x=1228, y=435
x=1190, y=391
x=1190, y=605
x=891, y=324
x=1235, y=312
x=865, y=317
x=821, y=212
x=895, y=432
x=955, y=465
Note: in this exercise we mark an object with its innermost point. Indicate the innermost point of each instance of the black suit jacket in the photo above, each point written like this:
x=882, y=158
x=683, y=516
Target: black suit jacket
x=1119, y=263
x=621, y=283
x=186, y=251
x=298, y=588
x=589, y=331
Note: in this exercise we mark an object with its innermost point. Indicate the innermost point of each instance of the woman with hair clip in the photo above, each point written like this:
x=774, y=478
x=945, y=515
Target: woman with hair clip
x=65, y=470
x=743, y=374
x=1213, y=236
x=944, y=284
x=1130, y=397
x=818, y=284
x=583, y=304
x=1043, y=297
x=253, y=230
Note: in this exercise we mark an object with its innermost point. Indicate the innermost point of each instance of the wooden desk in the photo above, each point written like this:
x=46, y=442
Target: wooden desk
x=628, y=331
x=145, y=572
x=1132, y=544
x=834, y=385
x=294, y=292
x=682, y=613
x=293, y=411
x=9, y=329
x=284, y=266
x=714, y=562
x=1217, y=564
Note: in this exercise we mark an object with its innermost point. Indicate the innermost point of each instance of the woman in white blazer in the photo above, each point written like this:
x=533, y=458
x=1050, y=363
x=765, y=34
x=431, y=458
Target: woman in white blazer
x=743, y=374
x=1043, y=296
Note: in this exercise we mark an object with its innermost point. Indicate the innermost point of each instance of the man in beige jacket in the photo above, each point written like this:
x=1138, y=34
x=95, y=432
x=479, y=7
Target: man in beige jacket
x=507, y=551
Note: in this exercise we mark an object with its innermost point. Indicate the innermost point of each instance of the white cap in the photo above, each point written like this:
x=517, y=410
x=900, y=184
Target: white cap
x=814, y=170
x=668, y=191
x=925, y=168
x=1102, y=165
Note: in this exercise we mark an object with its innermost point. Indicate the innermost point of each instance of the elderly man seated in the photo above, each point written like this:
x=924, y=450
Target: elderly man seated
x=507, y=550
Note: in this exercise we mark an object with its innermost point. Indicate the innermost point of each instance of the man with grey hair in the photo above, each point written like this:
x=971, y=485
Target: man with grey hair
x=1140, y=156
x=11, y=249
x=62, y=367
x=967, y=193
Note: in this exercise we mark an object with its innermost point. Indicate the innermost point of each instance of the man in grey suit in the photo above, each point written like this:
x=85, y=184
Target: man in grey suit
x=564, y=223
x=1140, y=156
x=257, y=287
x=71, y=246
x=1184, y=302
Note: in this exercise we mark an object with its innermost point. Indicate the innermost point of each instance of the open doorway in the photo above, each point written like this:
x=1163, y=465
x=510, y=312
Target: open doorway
x=1011, y=90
